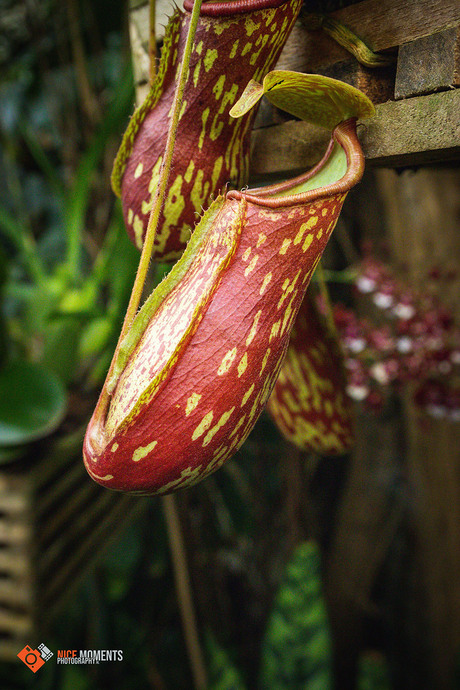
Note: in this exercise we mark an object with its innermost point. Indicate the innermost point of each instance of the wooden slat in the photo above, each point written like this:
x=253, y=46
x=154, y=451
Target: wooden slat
x=429, y=64
x=77, y=504
x=383, y=25
x=424, y=129
x=76, y=530
x=57, y=589
x=15, y=623
x=9, y=648
x=15, y=563
x=15, y=593
x=53, y=494
x=59, y=455
x=14, y=532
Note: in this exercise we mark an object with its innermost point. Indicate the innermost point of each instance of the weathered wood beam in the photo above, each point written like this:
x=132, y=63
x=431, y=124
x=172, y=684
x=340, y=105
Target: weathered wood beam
x=431, y=63
x=383, y=25
x=420, y=130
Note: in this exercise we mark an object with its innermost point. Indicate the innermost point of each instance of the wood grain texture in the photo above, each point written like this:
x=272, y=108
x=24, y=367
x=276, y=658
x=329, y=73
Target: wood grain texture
x=387, y=24
x=429, y=64
x=421, y=211
x=54, y=525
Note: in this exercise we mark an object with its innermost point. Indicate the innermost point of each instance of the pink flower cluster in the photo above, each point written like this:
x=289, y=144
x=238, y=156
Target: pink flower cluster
x=407, y=337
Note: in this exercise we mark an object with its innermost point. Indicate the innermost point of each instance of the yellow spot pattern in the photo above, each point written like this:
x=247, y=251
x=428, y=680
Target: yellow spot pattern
x=264, y=361
x=237, y=427
x=251, y=266
x=219, y=87
x=210, y=58
x=247, y=395
x=307, y=243
x=253, y=330
x=204, y=119
x=199, y=193
x=275, y=329
x=192, y=402
x=187, y=477
x=196, y=73
x=203, y=426
x=242, y=365
x=102, y=479
x=234, y=49
x=227, y=362
x=265, y=283
x=143, y=451
x=285, y=246
x=138, y=227
x=212, y=432
x=189, y=172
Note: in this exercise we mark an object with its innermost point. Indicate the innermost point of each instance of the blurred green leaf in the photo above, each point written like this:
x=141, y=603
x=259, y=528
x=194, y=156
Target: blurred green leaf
x=80, y=195
x=60, y=351
x=32, y=403
x=10, y=453
x=223, y=674
x=95, y=336
x=296, y=651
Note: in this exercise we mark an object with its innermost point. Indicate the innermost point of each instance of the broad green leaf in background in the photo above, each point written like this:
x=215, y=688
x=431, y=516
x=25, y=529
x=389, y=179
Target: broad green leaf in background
x=296, y=651
x=223, y=674
x=32, y=403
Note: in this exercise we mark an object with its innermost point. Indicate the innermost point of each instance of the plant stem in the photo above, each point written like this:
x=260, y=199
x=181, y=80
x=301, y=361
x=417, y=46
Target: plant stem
x=158, y=201
x=184, y=592
x=89, y=101
x=152, y=42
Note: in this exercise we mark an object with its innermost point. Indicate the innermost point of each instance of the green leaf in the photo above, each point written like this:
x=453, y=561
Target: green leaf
x=60, y=350
x=311, y=97
x=223, y=674
x=8, y=454
x=32, y=403
x=296, y=651
x=95, y=336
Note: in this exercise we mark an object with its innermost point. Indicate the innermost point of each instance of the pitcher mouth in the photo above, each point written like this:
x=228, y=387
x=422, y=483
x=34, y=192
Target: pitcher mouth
x=226, y=9
x=282, y=194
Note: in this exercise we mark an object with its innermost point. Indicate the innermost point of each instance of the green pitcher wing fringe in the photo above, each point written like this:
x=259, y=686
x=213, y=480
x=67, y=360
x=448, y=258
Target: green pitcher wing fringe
x=234, y=42
x=167, y=63
x=173, y=278
x=320, y=100
x=309, y=403
x=296, y=650
x=205, y=351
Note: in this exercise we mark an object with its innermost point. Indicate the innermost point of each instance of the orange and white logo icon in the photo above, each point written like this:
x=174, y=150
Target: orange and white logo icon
x=35, y=658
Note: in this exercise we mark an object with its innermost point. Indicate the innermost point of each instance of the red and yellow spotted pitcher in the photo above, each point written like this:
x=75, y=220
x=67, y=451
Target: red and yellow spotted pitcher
x=203, y=354
x=234, y=42
x=309, y=403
